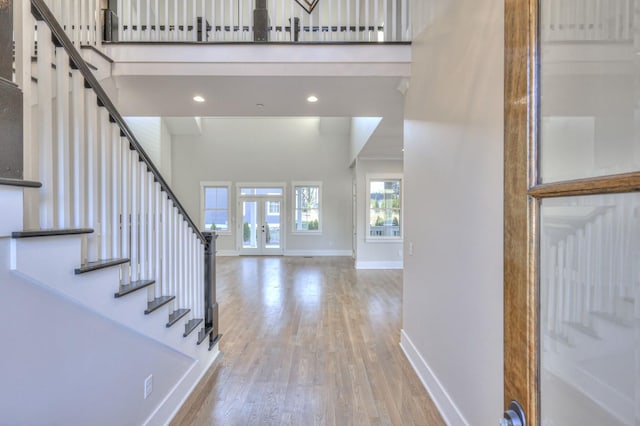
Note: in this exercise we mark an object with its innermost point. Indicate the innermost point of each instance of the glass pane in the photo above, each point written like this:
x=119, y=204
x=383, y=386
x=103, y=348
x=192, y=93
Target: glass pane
x=216, y=220
x=307, y=220
x=215, y=198
x=249, y=224
x=261, y=191
x=590, y=124
x=272, y=225
x=589, y=318
x=384, y=223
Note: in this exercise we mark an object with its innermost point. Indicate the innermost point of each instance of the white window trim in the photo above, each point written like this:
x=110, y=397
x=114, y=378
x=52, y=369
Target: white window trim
x=293, y=208
x=230, y=212
x=367, y=194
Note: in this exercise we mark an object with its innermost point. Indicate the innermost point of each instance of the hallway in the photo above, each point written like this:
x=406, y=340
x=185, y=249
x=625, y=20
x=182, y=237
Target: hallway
x=308, y=341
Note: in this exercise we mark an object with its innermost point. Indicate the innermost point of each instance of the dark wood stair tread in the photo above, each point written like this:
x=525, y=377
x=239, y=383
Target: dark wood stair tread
x=20, y=182
x=214, y=341
x=32, y=233
x=100, y=264
x=191, y=325
x=203, y=333
x=157, y=303
x=133, y=286
x=175, y=316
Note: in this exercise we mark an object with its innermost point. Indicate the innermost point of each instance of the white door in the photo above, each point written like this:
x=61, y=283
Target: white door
x=261, y=226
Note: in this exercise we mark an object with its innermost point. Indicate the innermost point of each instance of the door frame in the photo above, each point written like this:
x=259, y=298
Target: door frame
x=260, y=199
x=523, y=193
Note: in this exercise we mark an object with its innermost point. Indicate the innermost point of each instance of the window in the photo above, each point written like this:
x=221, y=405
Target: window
x=307, y=200
x=215, y=203
x=384, y=214
x=273, y=208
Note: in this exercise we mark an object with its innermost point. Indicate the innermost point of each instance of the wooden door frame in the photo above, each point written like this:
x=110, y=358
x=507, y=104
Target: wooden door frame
x=522, y=195
x=521, y=363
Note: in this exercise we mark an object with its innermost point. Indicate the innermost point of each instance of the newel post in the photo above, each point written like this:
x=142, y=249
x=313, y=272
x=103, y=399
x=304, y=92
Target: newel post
x=210, y=304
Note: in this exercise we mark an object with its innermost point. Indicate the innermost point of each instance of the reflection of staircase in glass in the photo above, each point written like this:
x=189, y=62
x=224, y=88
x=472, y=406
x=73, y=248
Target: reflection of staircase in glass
x=589, y=325
x=587, y=20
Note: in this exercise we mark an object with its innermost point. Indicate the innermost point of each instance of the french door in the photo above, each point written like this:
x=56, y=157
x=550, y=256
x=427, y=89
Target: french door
x=261, y=222
x=572, y=212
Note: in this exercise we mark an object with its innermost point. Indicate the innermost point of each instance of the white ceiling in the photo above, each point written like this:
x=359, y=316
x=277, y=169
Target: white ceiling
x=345, y=92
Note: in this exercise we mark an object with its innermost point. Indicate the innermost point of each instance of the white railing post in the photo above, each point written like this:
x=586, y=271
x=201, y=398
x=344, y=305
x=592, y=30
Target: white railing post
x=91, y=114
x=45, y=127
x=135, y=202
x=116, y=193
x=143, y=211
x=105, y=193
x=63, y=199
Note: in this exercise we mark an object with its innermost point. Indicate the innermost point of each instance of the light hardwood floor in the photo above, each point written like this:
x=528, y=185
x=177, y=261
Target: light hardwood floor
x=308, y=341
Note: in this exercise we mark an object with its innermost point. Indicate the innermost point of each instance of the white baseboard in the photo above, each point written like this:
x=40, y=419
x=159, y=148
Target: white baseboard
x=379, y=265
x=227, y=253
x=447, y=407
x=318, y=253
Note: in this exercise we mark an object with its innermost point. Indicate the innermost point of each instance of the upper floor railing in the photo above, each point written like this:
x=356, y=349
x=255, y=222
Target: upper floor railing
x=587, y=20
x=233, y=20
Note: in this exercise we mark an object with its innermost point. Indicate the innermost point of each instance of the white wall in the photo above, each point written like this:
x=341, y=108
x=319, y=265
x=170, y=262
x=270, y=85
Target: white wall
x=452, y=320
x=272, y=150
x=374, y=254
x=63, y=364
x=154, y=136
x=361, y=130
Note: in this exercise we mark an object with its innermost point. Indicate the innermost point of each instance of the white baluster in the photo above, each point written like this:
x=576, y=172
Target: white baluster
x=125, y=208
x=142, y=211
x=173, y=265
x=105, y=193
x=166, y=244
x=135, y=230
x=387, y=25
x=91, y=104
x=78, y=141
x=376, y=21
x=45, y=127
x=151, y=228
x=116, y=194
x=63, y=188
x=159, y=238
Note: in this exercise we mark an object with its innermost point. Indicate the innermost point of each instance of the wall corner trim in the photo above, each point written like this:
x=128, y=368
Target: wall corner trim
x=447, y=407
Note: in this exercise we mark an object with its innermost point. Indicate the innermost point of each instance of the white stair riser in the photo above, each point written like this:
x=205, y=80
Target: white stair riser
x=11, y=212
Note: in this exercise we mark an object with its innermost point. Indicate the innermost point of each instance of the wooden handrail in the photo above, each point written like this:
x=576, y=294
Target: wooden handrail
x=42, y=13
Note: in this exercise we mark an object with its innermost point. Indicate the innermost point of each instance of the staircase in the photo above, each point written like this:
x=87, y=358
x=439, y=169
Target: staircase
x=589, y=320
x=97, y=226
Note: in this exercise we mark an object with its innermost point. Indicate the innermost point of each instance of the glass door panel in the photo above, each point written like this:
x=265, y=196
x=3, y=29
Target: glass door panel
x=272, y=224
x=590, y=120
x=250, y=221
x=261, y=226
x=589, y=310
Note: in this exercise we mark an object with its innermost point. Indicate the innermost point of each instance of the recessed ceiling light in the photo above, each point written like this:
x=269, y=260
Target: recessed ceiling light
x=260, y=105
x=198, y=98
x=312, y=99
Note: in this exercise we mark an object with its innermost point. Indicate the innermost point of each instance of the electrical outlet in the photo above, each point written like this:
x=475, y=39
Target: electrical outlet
x=148, y=386
x=410, y=249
